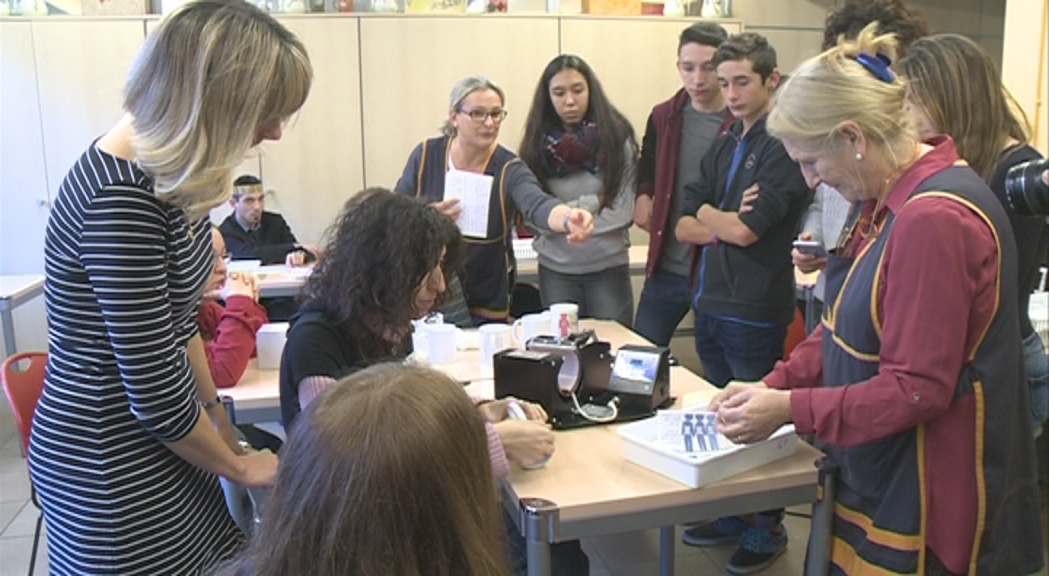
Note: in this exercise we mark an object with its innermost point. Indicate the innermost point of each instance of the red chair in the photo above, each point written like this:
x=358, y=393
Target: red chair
x=23, y=386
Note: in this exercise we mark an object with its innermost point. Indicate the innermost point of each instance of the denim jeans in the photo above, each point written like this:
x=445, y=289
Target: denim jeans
x=604, y=295
x=732, y=349
x=665, y=299
x=1037, y=365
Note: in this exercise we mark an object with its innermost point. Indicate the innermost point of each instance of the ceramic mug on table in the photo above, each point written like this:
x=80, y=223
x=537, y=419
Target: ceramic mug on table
x=494, y=339
x=564, y=319
x=440, y=343
x=529, y=326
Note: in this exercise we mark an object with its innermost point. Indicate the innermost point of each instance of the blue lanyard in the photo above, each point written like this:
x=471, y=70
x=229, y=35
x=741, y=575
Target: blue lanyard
x=737, y=158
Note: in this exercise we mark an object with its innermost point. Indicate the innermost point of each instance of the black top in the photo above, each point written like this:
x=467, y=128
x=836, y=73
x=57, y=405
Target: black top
x=1031, y=232
x=317, y=346
x=270, y=242
x=756, y=282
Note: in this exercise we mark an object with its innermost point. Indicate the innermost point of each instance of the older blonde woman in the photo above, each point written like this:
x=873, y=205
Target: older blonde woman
x=124, y=451
x=469, y=144
x=913, y=384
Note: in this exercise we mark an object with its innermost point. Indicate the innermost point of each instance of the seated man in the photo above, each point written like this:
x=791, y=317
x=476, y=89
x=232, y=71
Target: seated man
x=251, y=233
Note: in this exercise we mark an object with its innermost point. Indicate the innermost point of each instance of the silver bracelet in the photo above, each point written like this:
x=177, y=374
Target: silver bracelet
x=564, y=221
x=209, y=404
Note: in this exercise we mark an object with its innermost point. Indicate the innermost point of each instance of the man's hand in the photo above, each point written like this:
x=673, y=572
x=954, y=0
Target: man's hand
x=807, y=263
x=746, y=204
x=643, y=212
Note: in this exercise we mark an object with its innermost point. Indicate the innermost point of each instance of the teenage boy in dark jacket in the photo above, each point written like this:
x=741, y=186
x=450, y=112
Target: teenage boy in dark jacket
x=679, y=132
x=743, y=212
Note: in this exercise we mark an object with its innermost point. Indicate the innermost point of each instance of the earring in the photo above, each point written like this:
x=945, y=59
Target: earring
x=859, y=157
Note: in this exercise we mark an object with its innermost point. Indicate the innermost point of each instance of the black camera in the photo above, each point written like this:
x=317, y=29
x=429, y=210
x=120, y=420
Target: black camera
x=1027, y=188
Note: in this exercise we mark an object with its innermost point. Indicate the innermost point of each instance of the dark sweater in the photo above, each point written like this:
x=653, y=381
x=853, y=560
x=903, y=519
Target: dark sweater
x=755, y=282
x=270, y=242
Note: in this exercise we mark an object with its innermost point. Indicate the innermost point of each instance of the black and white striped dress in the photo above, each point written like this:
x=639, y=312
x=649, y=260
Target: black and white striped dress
x=125, y=272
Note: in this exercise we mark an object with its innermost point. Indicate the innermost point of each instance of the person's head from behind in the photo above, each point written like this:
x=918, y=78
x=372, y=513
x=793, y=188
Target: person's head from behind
x=695, y=54
x=476, y=111
x=383, y=265
x=214, y=79
x=568, y=95
x=748, y=74
x=387, y=472
x=953, y=88
x=893, y=17
x=248, y=200
x=843, y=117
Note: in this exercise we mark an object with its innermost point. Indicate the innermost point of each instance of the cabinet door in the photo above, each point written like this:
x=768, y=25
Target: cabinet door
x=318, y=164
x=23, y=184
x=81, y=68
x=636, y=74
x=408, y=67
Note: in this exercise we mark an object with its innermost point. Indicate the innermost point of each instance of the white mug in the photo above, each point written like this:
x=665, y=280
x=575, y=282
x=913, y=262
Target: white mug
x=529, y=326
x=494, y=339
x=440, y=343
x=564, y=319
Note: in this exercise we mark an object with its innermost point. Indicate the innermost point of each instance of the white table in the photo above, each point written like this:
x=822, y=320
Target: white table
x=588, y=488
x=15, y=290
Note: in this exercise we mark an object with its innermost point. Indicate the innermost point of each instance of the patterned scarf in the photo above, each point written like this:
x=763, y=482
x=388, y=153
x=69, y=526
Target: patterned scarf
x=569, y=152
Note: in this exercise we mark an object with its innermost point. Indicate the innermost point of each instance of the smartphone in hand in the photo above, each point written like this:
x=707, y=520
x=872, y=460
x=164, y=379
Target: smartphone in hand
x=811, y=247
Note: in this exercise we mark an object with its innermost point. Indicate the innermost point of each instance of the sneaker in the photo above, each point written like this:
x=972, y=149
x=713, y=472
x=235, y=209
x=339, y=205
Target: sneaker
x=758, y=549
x=720, y=531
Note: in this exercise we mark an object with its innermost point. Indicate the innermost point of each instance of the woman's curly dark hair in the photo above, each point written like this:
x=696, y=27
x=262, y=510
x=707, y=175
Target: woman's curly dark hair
x=377, y=253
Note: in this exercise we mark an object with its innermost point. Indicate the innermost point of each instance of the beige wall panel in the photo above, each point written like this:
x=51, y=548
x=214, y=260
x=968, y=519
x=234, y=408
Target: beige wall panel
x=318, y=162
x=992, y=15
x=954, y=16
x=634, y=59
x=1024, y=63
x=408, y=67
x=782, y=13
x=792, y=46
x=81, y=79
x=23, y=207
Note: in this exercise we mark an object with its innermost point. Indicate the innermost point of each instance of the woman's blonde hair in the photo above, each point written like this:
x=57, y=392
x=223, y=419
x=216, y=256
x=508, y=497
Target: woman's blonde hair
x=464, y=88
x=835, y=87
x=957, y=86
x=387, y=472
x=207, y=81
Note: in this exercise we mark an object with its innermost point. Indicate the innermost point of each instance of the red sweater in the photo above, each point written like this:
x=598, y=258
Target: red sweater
x=229, y=336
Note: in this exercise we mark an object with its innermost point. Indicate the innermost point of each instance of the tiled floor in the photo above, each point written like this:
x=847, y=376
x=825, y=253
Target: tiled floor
x=630, y=554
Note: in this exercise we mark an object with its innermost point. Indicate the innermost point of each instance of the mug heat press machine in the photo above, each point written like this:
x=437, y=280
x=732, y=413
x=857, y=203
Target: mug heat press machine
x=579, y=382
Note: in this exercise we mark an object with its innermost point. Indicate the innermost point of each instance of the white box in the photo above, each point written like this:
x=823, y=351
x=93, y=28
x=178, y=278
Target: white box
x=269, y=344
x=640, y=447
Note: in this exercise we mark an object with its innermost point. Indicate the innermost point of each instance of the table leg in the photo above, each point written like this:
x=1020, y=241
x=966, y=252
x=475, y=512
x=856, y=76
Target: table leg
x=539, y=520
x=9, y=329
x=667, y=535
x=817, y=561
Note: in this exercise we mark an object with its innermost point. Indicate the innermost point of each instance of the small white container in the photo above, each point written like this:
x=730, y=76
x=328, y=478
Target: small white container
x=641, y=447
x=269, y=344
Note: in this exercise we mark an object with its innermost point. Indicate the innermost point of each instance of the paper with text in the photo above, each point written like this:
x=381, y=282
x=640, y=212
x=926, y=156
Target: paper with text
x=474, y=192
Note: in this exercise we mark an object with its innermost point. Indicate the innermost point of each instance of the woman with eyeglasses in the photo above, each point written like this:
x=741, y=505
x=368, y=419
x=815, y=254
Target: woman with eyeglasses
x=913, y=384
x=584, y=153
x=468, y=154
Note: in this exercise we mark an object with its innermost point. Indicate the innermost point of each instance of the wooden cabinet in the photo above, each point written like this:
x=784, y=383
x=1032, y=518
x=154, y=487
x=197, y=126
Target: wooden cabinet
x=61, y=88
x=381, y=85
x=409, y=65
x=23, y=184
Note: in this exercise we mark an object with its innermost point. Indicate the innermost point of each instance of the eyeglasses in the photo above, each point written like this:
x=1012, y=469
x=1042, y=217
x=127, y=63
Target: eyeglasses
x=480, y=116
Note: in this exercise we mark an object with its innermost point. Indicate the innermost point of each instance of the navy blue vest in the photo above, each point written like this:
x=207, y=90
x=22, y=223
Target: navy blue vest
x=881, y=493
x=490, y=262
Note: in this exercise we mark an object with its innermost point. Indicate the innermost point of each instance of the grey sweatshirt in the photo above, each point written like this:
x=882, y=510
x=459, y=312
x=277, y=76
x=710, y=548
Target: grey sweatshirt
x=610, y=242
